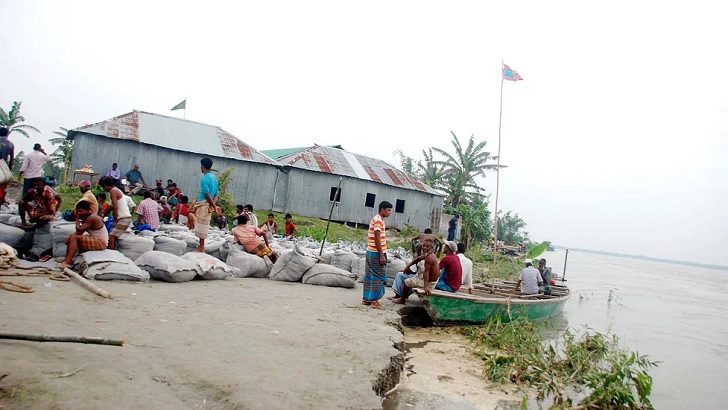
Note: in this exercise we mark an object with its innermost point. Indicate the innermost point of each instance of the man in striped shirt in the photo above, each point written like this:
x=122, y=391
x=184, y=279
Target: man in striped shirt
x=375, y=278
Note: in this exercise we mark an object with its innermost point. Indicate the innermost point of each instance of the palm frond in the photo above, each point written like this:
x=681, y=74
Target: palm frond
x=25, y=126
x=19, y=131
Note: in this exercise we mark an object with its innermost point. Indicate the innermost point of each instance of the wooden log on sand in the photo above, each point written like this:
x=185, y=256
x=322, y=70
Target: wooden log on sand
x=66, y=339
x=86, y=284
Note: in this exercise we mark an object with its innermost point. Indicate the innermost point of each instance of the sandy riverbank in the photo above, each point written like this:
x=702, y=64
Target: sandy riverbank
x=237, y=343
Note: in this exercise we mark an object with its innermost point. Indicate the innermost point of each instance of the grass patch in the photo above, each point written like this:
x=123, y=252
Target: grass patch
x=589, y=367
x=29, y=394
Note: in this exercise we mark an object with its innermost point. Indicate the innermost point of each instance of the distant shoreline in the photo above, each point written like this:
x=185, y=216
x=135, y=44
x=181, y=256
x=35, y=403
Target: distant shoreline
x=646, y=258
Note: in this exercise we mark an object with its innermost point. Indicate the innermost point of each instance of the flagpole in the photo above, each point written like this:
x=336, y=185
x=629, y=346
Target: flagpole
x=184, y=114
x=497, y=185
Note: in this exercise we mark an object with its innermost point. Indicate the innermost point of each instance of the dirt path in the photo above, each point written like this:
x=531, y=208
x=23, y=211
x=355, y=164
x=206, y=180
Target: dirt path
x=237, y=343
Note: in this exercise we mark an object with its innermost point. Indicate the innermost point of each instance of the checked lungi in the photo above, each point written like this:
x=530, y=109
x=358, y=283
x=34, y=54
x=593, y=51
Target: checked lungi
x=375, y=278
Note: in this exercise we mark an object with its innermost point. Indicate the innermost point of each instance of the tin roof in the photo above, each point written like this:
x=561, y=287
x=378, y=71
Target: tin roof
x=174, y=133
x=282, y=152
x=339, y=162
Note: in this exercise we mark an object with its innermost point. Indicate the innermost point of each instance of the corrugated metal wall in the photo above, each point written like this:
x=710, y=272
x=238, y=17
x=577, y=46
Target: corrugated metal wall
x=309, y=194
x=252, y=182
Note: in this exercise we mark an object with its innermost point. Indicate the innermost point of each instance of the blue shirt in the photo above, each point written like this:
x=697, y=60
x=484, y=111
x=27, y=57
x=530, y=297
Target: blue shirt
x=208, y=185
x=6, y=147
x=133, y=176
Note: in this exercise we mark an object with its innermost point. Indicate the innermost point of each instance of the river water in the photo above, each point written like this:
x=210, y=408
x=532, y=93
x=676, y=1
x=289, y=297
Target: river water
x=675, y=314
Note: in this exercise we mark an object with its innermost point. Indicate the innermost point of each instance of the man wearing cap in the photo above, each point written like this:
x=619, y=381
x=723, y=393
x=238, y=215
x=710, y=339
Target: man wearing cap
x=33, y=167
x=453, y=225
x=133, y=177
x=88, y=196
x=530, y=277
x=451, y=272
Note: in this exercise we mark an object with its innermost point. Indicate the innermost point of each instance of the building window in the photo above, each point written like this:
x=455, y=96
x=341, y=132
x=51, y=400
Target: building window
x=334, y=193
x=370, y=200
x=399, y=207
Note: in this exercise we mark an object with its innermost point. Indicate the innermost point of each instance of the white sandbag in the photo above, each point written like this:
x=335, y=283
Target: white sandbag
x=358, y=267
x=133, y=246
x=4, y=218
x=394, y=265
x=249, y=265
x=168, y=267
x=342, y=259
x=210, y=267
x=172, y=228
x=61, y=230
x=147, y=234
x=287, y=244
x=322, y=274
x=8, y=209
x=188, y=237
x=326, y=256
x=291, y=266
x=14, y=220
x=42, y=240
x=212, y=246
x=11, y=235
x=170, y=245
x=108, y=265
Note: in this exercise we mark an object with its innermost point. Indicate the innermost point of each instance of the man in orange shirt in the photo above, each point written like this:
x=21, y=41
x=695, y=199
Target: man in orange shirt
x=375, y=277
x=247, y=235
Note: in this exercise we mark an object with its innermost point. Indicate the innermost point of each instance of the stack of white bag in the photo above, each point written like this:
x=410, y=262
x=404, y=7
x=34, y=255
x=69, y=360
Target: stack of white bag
x=168, y=267
x=291, y=265
x=11, y=235
x=133, y=246
x=108, y=265
x=326, y=275
x=210, y=267
x=167, y=244
x=248, y=265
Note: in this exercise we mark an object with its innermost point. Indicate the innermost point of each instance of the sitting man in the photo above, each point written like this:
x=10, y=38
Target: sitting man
x=545, y=275
x=290, y=228
x=182, y=211
x=428, y=275
x=149, y=211
x=247, y=235
x=133, y=177
x=88, y=196
x=531, y=279
x=39, y=203
x=91, y=234
x=451, y=271
x=426, y=236
x=166, y=209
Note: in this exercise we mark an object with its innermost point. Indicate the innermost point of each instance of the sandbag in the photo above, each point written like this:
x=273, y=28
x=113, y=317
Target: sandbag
x=61, y=230
x=248, y=265
x=212, y=246
x=342, y=259
x=14, y=220
x=168, y=267
x=133, y=246
x=358, y=267
x=172, y=228
x=108, y=265
x=42, y=240
x=11, y=235
x=169, y=245
x=322, y=274
x=147, y=234
x=394, y=265
x=210, y=267
x=326, y=256
x=6, y=175
x=291, y=266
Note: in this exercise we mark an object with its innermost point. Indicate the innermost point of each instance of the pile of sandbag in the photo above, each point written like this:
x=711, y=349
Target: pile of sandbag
x=322, y=274
x=11, y=235
x=210, y=267
x=168, y=267
x=394, y=265
x=291, y=265
x=108, y=265
x=60, y=231
x=133, y=246
x=42, y=239
x=342, y=259
x=167, y=244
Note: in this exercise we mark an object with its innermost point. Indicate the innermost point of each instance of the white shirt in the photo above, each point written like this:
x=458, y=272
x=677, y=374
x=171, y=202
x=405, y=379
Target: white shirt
x=33, y=164
x=467, y=266
x=530, y=279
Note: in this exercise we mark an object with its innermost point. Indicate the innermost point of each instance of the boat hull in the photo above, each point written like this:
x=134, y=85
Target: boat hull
x=450, y=309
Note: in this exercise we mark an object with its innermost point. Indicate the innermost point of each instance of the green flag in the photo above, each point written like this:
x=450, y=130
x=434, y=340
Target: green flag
x=180, y=106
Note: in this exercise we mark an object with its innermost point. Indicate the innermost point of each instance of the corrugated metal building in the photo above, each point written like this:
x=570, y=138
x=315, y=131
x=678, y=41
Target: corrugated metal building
x=171, y=148
x=302, y=182
x=366, y=182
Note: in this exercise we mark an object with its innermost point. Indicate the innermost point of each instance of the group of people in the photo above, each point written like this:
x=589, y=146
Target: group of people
x=425, y=271
x=534, y=280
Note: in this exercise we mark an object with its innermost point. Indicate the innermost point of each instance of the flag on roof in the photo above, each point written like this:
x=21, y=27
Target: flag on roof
x=180, y=106
x=510, y=75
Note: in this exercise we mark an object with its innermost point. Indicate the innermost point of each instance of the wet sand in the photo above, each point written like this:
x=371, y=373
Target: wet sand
x=236, y=343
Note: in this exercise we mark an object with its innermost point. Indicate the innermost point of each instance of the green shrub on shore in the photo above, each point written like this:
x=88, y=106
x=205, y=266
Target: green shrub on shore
x=590, y=366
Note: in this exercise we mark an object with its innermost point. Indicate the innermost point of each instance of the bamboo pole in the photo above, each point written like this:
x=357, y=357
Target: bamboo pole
x=331, y=213
x=86, y=284
x=64, y=339
x=497, y=188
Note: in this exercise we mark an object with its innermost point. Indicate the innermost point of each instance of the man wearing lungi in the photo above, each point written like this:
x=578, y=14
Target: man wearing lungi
x=201, y=211
x=375, y=277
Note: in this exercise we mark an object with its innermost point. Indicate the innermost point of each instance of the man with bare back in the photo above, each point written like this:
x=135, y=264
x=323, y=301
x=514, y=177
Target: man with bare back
x=429, y=274
x=427, y=235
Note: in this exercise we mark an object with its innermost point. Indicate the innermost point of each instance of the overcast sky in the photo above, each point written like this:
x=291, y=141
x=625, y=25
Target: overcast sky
x=615, y=140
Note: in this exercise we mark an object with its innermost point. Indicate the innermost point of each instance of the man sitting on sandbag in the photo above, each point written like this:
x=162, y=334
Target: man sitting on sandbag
x=91, y=234
x=39, y=203
x=247, y=235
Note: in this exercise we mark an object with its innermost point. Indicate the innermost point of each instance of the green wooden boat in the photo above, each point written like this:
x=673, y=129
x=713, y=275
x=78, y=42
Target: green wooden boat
x=447, y=308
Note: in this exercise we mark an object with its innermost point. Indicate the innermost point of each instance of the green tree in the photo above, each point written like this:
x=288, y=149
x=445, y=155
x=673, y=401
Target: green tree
x=12, y=120
x=62, y=155
x=510, y=228
x=430, y=172
x=460, y=170
x=225, y=199
x=406, y=163
x=475, y=225
x=19, y=157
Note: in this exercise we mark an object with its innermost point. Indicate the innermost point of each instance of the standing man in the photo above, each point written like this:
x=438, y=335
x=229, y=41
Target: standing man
x=201, y=211
x=33, y=166
x=453, y=225
x=531, y=279
x=119, y=208
x=467, y=267
x=375, y=278
x=115, y=173
x=133, y=177
x=7, y=154
x=451, y=272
